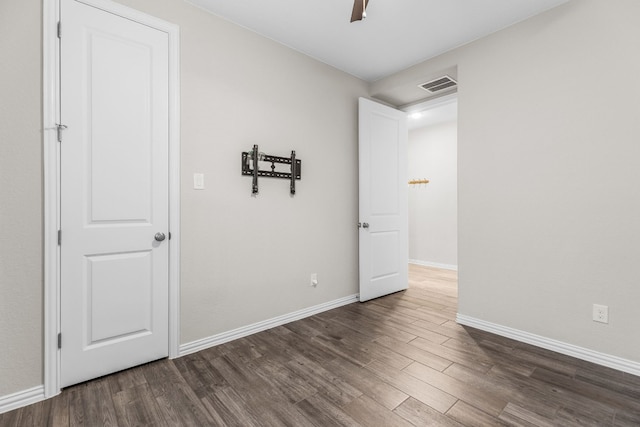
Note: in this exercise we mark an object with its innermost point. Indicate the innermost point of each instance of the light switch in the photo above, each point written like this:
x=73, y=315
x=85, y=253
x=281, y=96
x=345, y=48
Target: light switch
x=198, y=181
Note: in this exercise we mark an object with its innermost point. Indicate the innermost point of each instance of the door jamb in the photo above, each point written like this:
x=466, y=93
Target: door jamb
x=51, y=182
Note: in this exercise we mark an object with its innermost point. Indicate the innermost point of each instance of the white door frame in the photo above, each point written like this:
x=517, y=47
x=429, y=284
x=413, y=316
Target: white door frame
x=51, y=163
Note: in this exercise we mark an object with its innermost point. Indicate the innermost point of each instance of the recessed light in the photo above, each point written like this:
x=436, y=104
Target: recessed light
x=415, y=115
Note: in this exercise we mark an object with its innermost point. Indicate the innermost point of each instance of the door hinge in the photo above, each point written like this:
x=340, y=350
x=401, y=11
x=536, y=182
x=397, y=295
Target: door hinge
x=59, y=341
x=59, y=29
x=59, y=237
x=169, y=235
x=59, y=129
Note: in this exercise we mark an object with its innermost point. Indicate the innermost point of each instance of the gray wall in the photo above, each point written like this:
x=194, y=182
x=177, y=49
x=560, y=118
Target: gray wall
x=20, y=196
x=548, y=160
x=244, y=259
x=433, y=208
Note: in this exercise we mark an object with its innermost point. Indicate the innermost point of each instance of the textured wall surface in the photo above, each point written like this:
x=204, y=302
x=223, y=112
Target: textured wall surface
x=433, y=208
x=547, y=163
x=20, y=196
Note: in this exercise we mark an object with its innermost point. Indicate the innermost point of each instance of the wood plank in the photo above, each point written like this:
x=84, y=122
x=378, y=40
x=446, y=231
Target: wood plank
x=470, y=416
x=98, y=403
x=416, y=354
x=474, y=361
x=42, y=413
x=538, y=360
x=370, y=327
x=590, y=391
x=129, y=378
x=264, y=401
x=624, y=418
x=433, y=317
x=518, y=416
x=368, y=412
x=509, y=389
x=565, y=397
x=421, y=415
x=426, y=393
x=227, y=408
x=280, y=377
x=459, y=333
x=487, y=352
x=487, y=402
x=77, y=416
x=176, y=400
x=136, y=406
x=282, y=344
x=583, y=417
x=361, y=342
x=12, y=418
x=323, y=413
x=200, y=374
x=416, y=330
x=379, y=311
x=380, y=391
x=620, y=382
x=332, y=386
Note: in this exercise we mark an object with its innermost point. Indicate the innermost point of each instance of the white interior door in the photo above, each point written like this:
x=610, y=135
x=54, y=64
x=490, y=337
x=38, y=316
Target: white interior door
x=383, y=200
x=114, y=193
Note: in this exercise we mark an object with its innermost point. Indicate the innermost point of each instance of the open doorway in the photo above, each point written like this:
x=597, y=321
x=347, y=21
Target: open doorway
x=432, y=157
x=390, y=149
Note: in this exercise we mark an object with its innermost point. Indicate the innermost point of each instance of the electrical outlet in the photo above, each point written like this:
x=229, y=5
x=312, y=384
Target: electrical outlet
x=600, y=313
x=314, y=280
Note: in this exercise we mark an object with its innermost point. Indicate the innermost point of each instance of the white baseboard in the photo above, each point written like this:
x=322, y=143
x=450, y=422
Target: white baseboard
x=592, y=356
x=244, y=331
x=21, y=398
x=434, y=264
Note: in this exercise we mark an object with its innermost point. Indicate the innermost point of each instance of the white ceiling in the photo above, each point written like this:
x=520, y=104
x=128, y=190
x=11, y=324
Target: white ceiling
x=395, y=35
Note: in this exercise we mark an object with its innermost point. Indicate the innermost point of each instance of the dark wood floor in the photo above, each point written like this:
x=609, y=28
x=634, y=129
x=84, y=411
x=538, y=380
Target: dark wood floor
x=400, y=360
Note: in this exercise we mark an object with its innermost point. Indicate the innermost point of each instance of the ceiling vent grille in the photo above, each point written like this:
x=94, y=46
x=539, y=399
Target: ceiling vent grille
x=439, y=84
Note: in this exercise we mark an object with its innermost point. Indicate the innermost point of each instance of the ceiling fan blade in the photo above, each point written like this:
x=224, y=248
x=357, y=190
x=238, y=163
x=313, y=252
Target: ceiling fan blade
x=359, y=7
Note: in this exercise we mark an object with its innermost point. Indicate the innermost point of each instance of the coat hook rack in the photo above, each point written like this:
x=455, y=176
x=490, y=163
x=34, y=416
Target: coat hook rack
x=418, y=181
x=251, y=167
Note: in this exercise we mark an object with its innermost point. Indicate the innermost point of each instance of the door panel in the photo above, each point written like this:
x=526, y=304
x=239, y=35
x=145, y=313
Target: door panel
x=108, y=278
x=383, y=201
x=384, y=254
x=119, y=172
x=114, y=193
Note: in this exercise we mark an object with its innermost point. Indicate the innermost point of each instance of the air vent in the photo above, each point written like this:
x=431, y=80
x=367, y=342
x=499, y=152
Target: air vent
x=439, y=84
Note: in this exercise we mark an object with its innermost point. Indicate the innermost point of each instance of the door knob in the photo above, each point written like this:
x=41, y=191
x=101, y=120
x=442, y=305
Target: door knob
x=159, y=237
x=365, y=225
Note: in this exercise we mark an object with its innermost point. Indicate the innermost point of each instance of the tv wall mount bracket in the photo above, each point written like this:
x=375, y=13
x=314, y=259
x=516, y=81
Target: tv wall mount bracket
x=251, y=167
